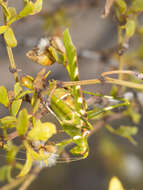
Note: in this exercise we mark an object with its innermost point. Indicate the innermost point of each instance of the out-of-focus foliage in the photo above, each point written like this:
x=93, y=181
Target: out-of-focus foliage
x=115, y=184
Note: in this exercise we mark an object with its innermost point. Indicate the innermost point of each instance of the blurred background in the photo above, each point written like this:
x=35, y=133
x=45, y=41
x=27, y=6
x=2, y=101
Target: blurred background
x=109, y=154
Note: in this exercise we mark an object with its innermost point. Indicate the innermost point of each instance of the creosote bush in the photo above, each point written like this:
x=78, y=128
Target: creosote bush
x=64, y=100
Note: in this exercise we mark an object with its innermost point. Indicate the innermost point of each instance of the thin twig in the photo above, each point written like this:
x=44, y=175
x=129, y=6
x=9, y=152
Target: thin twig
x=30, y=178
x=26, y=180
x=13, y=184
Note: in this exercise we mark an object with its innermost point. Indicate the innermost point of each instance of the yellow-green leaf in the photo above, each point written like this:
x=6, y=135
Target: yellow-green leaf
x=121, y=6
x=27, y=166
x=42, y=131
x=3, y=29
x=37, y=6
x=12, y=11
x=5, y=172
x=15, y=106
x=115, y=184
x=17, y=89
x=130, y=28
x=22, y=124
x=8, y=120
x=4, y=96
x=28, y=9
x=10, y=38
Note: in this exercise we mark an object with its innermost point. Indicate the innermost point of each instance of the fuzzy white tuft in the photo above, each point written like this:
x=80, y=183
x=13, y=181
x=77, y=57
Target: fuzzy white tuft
x=52, y=159
x=44, y=42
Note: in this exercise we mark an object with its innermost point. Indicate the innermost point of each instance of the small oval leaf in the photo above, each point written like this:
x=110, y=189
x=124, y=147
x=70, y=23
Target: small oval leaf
x=3, y=29
x=130, y=28
x=17, y=89
x=22, y=124
x=10, y=38
x=15, y=106
x=4, y=96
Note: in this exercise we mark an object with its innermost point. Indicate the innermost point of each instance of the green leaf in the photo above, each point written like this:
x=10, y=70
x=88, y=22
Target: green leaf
x=8, y=120
x=124, y=131
x=121, y=5
x=5, y=172
x=28, y=9
x=137, y=6
x=71, y=54
x=10, y=38
x=3, y=29
x=15, y=106
x=24, y=93
x=17, y=89
x=37, y=6
x=42, y=131
x=4, y=96
x=72, y=68
x=27, y=166
x=130, y=28
x=22, y=124
x=12, y=11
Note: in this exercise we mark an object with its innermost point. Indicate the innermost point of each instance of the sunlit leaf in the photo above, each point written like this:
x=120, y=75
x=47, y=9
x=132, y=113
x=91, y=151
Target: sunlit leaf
x=71, y=54
x=17, y=89
x=10, y=38
x=4, y=96
x=27, y=166
x=24, y=93
x=28, y=9
x=72, y=68
x=22, y=124
x=130, y=28
x=42, y=131
x=12, y=11
x=8, y=120
x=115, y=184
x=15, y=106
x=37, y=6
x=3, y=29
